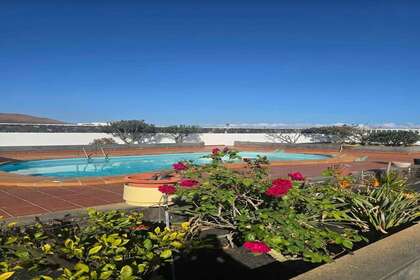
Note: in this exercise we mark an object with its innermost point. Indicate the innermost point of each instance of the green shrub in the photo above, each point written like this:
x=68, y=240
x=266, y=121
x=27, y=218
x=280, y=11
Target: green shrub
x=105, y=245
x=394, y=138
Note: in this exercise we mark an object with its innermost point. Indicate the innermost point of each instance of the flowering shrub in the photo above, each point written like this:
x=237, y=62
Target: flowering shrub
x=104, y=245
x=292, y=219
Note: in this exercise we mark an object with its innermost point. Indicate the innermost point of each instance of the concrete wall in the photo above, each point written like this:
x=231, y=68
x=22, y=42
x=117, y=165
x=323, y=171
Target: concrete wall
x=56, y=139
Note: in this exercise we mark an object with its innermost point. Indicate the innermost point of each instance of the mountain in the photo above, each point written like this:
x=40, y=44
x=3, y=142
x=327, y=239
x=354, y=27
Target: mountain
x=21, y=118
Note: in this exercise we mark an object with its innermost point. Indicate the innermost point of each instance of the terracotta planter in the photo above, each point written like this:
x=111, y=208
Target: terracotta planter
x=143, y=189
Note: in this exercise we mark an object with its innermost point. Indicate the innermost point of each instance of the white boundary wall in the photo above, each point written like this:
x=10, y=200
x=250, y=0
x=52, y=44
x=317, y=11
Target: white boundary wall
x=54, y=139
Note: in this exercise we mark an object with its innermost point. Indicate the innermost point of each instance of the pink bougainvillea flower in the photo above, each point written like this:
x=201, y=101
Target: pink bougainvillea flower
x=215, y=151
x=257, y=247
x=188, y=183
x=167, y=189
x=282, y=182
x=179, y=166
x=296, y=176
x=279, y=188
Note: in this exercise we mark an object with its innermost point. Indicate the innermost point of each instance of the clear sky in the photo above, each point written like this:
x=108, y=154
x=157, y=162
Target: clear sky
x=209, y=62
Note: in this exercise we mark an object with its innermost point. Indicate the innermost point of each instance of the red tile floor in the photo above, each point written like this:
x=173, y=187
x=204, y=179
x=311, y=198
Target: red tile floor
x=22, y=201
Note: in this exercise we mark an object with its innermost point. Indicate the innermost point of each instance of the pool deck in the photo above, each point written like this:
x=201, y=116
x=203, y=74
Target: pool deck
x=27, y=195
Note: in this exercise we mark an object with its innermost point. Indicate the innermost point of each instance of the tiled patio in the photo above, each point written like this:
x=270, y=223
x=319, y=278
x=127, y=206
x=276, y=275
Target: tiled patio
x=21, y=201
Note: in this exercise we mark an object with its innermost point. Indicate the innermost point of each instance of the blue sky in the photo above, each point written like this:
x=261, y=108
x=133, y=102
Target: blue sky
x=210, y=62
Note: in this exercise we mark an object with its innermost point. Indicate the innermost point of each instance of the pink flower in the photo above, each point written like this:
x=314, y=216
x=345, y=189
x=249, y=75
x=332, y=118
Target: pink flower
x=167, y=189
x=279, y=188
x=257, y=247
x=226, y=149
x=179, y=166
x=296, y=176
x=188, y=183
x=215, y=151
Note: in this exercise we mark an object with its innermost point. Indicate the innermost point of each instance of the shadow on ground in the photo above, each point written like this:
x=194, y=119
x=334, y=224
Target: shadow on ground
x=218, y=264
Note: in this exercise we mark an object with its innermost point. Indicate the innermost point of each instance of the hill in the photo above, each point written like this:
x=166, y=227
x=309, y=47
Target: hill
x=21, y=118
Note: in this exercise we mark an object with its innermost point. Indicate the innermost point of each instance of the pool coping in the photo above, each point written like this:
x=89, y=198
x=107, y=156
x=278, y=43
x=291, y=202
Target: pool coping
x=16, y=180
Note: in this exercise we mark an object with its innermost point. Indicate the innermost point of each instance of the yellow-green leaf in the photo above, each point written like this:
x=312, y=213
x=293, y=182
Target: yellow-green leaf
x=126, y=272
x=177, y=244
x=166, y=254
x=6, y=275
x=105, y=275
x=94, y=250
x=81, y=267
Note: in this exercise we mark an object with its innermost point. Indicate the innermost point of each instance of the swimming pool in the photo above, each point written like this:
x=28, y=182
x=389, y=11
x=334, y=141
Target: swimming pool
x=81, y=167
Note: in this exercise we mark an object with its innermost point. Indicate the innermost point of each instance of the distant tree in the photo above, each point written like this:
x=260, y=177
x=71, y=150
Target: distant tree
x=179, y=133
x=103, y=141
x=334, y=134
x=132, y=131
x=289, y=137
x=394, y=137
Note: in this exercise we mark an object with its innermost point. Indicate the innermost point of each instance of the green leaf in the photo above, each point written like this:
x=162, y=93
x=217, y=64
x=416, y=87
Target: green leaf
x=348, y=244
x=94, y=250
x=81, y=267
x=177, y=244
x=148, y=244
x=45, y=277
x=105, y=275
x=126, y=272
x=166, y=254
x=118, y=258
x=11, y=240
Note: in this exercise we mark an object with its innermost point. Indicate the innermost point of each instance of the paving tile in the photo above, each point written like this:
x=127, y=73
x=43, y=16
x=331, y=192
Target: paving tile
x=60, y=205
x=23, y=211
x=87, y=201
x=5, y=214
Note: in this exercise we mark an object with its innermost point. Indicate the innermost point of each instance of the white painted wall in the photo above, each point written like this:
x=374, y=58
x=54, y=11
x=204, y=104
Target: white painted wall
x=51, y=139
x=47, y=139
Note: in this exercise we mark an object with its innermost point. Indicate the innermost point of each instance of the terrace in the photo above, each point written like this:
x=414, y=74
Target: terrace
x=28, y=195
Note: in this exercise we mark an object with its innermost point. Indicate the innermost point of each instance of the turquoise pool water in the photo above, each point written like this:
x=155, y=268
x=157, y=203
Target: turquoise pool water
x=80, y=167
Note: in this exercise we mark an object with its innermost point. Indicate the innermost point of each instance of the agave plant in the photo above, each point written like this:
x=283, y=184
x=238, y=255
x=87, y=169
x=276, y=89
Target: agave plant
x=388, y=206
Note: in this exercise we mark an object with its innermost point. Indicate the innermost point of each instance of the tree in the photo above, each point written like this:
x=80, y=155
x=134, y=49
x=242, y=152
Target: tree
x=334, y=134
x=179, y=133
x=289, y=137
x=132, y=131
x=394, y=137
x=103, y=141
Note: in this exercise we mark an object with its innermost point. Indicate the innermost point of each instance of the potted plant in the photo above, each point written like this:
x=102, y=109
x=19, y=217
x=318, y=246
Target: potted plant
x=146, y=189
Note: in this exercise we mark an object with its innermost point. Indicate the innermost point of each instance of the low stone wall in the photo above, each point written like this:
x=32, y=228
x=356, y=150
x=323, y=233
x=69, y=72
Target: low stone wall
x=396, y=257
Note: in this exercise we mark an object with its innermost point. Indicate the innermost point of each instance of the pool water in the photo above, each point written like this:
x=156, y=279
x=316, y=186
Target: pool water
x=81, y=167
